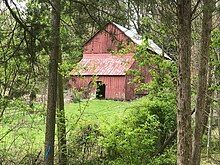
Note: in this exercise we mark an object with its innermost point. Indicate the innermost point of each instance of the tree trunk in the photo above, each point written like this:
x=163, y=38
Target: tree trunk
x=209, y=133
x=61, y=120
x=61, y=123
x=217, y=79
x=210, y=94
x=52, y=85
x=218, y=113
x=202, y=80
x=184, y=134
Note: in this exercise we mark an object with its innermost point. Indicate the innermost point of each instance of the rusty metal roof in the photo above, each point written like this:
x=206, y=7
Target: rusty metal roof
x=103, y=64
x=136, y=38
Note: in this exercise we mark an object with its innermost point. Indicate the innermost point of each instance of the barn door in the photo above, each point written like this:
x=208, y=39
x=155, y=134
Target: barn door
x=100, y=91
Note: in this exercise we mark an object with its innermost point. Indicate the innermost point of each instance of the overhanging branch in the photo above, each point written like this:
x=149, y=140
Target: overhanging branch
x=22, y=24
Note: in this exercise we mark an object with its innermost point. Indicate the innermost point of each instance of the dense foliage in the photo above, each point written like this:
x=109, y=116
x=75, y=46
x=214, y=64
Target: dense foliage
x=134, y=138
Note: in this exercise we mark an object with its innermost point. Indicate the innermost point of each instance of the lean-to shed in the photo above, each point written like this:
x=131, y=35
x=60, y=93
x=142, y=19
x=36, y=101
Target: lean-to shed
x=103, y=71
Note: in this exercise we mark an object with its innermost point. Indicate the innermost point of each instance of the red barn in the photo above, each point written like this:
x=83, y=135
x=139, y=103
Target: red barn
x=103, y=70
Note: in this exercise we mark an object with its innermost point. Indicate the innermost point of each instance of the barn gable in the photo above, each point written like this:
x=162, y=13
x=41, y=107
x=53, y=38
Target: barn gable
x=107, y=40
x=111, y=38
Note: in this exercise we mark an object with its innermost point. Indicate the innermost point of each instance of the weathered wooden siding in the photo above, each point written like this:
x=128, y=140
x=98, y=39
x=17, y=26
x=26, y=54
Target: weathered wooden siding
x=131, y=87
x=115, y=85
x=105, y=41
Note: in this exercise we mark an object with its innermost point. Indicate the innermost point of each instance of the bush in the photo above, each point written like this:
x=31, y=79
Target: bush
x=84, y=146
x=134, y=138
x=137, y=138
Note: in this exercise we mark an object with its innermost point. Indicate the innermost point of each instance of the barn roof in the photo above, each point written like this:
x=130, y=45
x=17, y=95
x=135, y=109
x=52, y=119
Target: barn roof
x=103, y=64
x=136, y=38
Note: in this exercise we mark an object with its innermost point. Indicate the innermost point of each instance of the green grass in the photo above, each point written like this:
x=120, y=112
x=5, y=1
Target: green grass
x=22, y=131
x=107, y=110
x=28, y=129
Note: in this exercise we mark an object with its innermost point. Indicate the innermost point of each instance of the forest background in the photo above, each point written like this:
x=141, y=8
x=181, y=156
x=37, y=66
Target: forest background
x=178, y=122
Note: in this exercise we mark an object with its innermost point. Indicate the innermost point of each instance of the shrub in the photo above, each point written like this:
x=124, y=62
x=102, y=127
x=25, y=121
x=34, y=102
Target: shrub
x=84, y=147
x=136, y=138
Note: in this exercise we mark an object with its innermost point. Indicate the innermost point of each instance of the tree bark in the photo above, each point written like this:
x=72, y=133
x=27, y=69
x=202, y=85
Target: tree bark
x=210, y=95
x=184, y=133
x=61, y=120
x=52, y=85
x=61, y=123
x=217, y=76
x=202, y=80
x=217, y=79
x=209, y=136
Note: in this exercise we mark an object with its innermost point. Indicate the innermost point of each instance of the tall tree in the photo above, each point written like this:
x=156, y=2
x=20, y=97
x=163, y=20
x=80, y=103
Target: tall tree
x=61, y=122
x=184, y=133
x=52, y=84
x=202, y=79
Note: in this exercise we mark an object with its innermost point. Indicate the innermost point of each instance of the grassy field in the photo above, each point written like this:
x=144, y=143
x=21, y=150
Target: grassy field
x=22, y=131
x=107, y=110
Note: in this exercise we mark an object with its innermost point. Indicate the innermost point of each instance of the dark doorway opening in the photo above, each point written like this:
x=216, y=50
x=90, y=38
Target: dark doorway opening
x=100, y=91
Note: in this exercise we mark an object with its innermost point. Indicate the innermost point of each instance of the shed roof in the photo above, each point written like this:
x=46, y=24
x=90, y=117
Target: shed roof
x=103, y=64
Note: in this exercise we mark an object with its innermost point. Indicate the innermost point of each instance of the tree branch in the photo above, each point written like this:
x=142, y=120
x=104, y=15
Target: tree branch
x=169, y=140
x=20, y=22
x=195, y=7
